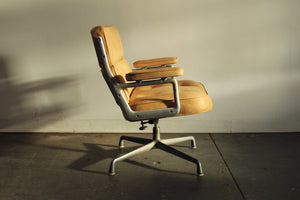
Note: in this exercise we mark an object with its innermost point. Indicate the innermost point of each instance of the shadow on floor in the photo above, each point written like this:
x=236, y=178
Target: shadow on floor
x=95, y=154
x=75, y=166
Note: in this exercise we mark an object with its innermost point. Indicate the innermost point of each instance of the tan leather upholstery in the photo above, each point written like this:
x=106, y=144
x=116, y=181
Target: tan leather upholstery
x=193, y=97
x=114, y=51
x=151, y=73
x=155, y=62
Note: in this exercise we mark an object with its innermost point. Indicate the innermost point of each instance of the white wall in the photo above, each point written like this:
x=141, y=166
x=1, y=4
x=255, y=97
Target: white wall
x=247, y=53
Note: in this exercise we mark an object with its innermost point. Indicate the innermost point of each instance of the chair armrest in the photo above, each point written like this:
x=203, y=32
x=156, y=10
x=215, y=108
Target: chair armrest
x=155, y=62
x=154, y=73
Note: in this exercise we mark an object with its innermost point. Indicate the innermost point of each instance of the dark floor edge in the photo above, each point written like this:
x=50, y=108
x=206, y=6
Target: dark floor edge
x=227, y=166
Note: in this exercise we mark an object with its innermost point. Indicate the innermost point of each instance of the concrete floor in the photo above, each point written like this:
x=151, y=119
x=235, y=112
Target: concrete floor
x=75, y=166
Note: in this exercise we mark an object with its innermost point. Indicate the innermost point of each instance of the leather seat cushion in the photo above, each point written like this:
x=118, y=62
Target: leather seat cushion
x=193, y=97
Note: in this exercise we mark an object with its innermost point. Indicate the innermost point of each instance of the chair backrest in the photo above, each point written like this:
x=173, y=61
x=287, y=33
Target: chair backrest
x=119, y=67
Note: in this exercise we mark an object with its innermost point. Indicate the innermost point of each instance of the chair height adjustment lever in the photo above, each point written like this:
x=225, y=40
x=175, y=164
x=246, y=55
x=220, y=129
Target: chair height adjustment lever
x=143, y=127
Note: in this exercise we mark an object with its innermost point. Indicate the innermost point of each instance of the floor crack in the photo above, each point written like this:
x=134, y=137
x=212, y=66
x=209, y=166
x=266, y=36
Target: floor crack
x=227, y=166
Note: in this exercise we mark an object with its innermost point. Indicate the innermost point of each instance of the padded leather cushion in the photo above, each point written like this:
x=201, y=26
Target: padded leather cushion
x=151, y=73
x=155, y=62
x=114, y=51
x=193, y=97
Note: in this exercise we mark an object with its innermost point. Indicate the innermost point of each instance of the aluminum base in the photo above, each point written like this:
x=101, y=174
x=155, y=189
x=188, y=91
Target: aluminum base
x=156, y=142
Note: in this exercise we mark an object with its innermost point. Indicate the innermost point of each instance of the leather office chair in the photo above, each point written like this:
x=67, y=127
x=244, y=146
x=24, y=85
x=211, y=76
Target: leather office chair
x=148, y=93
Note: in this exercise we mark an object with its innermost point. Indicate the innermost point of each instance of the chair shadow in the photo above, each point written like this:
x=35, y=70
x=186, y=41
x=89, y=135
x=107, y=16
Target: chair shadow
x=95, y=153
x=33, y=104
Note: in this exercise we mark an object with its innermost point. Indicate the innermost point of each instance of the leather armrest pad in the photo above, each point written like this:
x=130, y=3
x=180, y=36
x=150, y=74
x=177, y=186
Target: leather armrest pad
x=152, y=73
x=155, y=62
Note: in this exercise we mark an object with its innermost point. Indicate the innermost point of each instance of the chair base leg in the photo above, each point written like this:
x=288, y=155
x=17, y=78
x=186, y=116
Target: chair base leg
x=181, y=139
x=133, y=139
x=156, y=142
x=140, y=150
